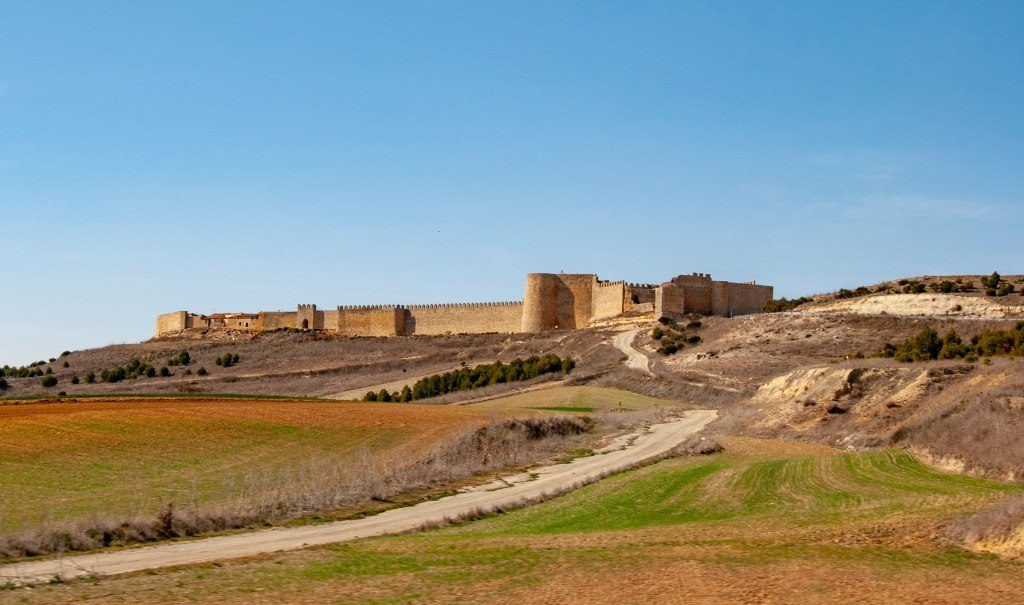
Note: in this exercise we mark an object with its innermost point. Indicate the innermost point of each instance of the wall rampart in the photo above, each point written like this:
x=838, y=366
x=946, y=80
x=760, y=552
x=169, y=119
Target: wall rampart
x=607, y=300
x=458, y=318
x=370, y=320
x=169, y=323
x=551, y=301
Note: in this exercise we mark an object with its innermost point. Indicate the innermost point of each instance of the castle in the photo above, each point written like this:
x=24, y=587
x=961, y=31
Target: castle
x=552, y=301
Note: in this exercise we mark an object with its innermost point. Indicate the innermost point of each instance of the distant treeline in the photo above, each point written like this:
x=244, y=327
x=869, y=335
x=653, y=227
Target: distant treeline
x=928, y=345
x=483, y=375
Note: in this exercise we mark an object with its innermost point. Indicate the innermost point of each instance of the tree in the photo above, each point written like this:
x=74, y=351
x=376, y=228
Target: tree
x=383, y=395
x=201, y=371
x=164, y=371
x=370, y=396
x=48, y=381
x=90, y=377
x=406, y=395
x=74, y=380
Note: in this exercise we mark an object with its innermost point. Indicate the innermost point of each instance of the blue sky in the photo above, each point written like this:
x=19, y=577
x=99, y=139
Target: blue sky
x=245, y=156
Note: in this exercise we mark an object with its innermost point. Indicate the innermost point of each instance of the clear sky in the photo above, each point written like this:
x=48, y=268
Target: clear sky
x=222, y=156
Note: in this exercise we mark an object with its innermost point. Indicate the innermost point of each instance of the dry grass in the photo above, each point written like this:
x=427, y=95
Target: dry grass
x=306, y=364
x=314, y=486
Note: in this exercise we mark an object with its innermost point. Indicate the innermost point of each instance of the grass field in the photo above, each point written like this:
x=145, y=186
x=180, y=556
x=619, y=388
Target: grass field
x=571, y=399
x=69, y=460
x=761, y=522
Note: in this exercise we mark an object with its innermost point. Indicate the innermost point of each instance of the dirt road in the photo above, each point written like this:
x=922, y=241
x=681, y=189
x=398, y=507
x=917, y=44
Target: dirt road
x=510, y=492
x=634, y=359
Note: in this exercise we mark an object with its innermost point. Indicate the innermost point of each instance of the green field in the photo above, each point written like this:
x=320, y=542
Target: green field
x=757, y=522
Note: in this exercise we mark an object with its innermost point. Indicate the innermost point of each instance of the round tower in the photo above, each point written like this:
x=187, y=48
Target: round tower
x=540, y=304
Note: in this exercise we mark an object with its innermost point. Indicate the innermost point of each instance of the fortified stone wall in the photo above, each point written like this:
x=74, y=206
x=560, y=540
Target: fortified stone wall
x=272, y=320
x=308, y=318
x=669, y=302
x=372, y=320
x=697, y=292
x=607, y=300
x=474, y=318
x=169, y=323
x=551, y=301
x=745, y=299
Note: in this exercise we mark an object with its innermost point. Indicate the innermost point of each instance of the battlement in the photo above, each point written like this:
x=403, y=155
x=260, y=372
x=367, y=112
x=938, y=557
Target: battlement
x=551, y=301
x=503, y=303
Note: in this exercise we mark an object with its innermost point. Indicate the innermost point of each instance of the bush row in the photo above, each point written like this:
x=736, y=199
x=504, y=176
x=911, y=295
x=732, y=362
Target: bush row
x=928, y=345
x=483, y=375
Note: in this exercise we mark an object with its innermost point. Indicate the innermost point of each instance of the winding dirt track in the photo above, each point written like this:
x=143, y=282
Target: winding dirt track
x=634, y=359
x=510, y=492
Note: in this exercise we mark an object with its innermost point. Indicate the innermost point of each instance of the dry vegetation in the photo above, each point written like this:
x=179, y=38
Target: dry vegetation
x=305, y=363
x=314, y=486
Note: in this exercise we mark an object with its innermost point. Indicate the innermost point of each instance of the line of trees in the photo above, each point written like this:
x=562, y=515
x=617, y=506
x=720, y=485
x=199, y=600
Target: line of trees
x=483, y=375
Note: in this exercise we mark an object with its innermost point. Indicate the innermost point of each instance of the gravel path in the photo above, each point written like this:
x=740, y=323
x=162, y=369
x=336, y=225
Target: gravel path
x=634, y=359
x=510, y=492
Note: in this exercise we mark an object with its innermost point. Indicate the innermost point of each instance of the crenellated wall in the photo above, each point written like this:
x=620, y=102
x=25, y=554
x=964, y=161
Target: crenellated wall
x=551, y=301
x=370, y=320
x=461, y=318
x=607, y=300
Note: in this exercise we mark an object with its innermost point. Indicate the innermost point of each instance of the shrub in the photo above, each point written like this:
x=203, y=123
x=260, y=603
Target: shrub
x=49, y=370
x=383, y=395
x=74, y=380
x=218, y=361
x=62, y=394
x=48, y=381
x=182, y=358
x=3, y=384
x=657, y=333
x=406, y=394
x=67, y=365
x=692, y=340
x=164, y=371
x=784, y=304
x=201, y=371
x=65, y=353
x=90, y=377
x=370, y=396
x=945, y=286
x=150, y=371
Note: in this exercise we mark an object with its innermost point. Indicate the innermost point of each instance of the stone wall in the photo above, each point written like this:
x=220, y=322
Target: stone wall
x=669, y=302
x=307, y=318
x=745, y=299
x=697, y=292
x=273, y=320
x=169, y=323
x=474, y=318
x=551, y=301
x=373, y=320
x=607, y=300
